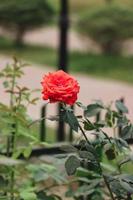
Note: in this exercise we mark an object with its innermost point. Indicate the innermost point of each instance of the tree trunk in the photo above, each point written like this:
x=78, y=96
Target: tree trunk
x=20, y=31
x=109, y=1
x=111, y=48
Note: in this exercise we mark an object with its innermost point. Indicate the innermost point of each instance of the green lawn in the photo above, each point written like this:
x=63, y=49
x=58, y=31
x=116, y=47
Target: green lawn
x=109, y=67
x=77, y=5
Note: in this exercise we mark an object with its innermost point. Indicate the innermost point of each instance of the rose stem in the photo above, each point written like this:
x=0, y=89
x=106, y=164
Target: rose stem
x=104, y=177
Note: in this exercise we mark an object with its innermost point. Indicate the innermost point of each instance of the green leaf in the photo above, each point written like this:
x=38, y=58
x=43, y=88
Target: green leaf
x=40, y=175
x=121, y=107
x=27, y=151
x=87, y=155
x=17, y=153
x=82, y=172
x=72, y=164
x=120, y=143
x=117, y=189
x=71, y=119
x=92, y=110
x=81, y=105
x=26, y=133
x=69, y=148
x=128, y=158
x=27, y=195
x=126, y=182
x=127, y=132
x=122, y=121
x=88, y=126
x=44, y=196
x=108, y=167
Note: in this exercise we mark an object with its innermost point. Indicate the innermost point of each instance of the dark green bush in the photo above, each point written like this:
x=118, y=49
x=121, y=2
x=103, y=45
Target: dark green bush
x=109, y=26
x=24, y=15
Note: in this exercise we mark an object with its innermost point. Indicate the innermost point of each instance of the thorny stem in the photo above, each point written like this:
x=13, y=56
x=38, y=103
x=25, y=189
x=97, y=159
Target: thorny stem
x=11, y=140
x=84, y=134
x=12, y=88
x=108, y=186
x=37, y=120
x=104, y=177
x=118, y=167
x=11, y=106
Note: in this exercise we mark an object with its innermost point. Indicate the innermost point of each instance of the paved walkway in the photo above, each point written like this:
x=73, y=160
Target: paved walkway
x=50, y=37
x=91, y=89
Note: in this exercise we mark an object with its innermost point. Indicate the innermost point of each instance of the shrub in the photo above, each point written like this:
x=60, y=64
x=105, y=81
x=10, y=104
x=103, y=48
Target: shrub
x=109, y=26
x=22, y=180
x=97, y=164
x=23, y=15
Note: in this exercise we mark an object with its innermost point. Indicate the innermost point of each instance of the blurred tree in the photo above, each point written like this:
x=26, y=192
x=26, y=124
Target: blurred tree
x=109, y=1
x=109, y=26
x=23, y=15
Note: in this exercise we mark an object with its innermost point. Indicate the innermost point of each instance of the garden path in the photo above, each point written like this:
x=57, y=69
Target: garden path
x=49, y=36
x=90, y=89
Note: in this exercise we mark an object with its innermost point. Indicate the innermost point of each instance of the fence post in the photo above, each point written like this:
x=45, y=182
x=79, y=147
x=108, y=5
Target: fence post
x=43, y=124
x=63, y=56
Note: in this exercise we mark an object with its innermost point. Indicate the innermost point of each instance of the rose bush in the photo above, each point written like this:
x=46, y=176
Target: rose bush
x=101, y=166
x=60, y=87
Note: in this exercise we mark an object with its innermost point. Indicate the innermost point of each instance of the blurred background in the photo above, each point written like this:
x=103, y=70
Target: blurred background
x=98, y=43
x=100, y=35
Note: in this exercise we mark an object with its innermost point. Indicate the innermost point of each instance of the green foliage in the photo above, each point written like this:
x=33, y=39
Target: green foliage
x=72, y=164
x=14, y=120
x=69, y=117
x=18, y=139
x=92, y=110
x=121, y=107
x=24, y=15
x=86, y=162
x=97, y=165
x=108, y=25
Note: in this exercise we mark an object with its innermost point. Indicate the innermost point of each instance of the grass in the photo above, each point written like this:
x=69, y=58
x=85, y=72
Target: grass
x=79, y=6
x=109, y=67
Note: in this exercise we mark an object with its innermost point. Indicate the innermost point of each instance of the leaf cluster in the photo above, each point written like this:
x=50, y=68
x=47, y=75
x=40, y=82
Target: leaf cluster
x=21, y=180
x=98, y=162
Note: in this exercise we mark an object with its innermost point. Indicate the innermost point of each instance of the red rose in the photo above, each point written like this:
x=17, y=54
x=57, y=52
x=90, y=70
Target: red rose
x=60, y=87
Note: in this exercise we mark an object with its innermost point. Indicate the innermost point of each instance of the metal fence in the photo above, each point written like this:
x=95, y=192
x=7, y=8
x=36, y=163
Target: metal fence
x=61, y=136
